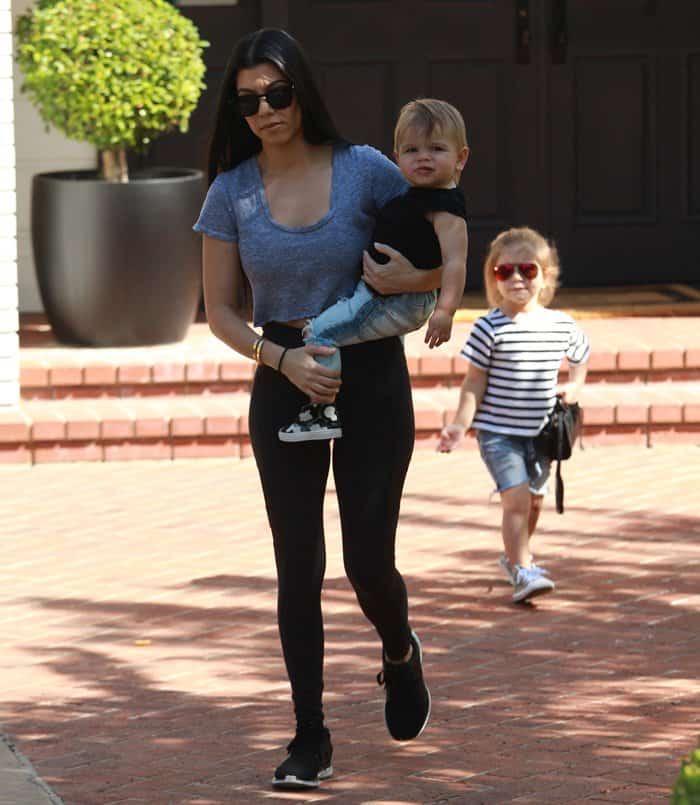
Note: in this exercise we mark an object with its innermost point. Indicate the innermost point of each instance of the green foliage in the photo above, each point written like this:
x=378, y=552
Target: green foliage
x=114, y=73
x=686, y=791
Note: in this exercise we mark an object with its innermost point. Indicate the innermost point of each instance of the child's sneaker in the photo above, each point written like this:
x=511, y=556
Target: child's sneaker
x=315, y=421
x=510, y=570
x=308, y=762
x=407, y=707
x=507, y=568
x=529, y=582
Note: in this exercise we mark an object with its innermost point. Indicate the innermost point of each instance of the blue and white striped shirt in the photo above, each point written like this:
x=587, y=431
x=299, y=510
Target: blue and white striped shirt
x=522, y=358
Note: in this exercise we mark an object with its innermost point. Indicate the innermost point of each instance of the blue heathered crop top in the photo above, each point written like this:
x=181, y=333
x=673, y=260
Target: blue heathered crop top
x=296, y=272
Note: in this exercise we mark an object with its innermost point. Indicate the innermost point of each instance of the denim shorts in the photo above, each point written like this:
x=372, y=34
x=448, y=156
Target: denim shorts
x=513, y=460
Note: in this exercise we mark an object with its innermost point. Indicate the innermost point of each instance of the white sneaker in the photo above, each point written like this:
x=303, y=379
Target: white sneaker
x=529, y=582
x=510, y=570
x=507, y=568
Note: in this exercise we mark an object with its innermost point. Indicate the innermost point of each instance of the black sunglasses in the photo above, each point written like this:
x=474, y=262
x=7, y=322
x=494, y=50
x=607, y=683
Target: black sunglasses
x=278, y=96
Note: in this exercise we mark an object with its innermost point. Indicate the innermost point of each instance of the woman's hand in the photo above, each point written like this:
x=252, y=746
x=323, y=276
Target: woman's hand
x=399, y=275
x=319, y=383
x=450, y=437
x=439, y=328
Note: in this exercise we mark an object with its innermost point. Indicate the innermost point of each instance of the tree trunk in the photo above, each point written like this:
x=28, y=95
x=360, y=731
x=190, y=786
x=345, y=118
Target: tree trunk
x=113, y=165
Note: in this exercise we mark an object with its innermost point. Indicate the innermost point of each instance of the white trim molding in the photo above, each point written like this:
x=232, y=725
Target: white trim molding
x=9, y=306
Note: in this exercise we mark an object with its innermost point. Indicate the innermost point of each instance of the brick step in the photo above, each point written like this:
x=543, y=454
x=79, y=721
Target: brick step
x=180, y=426
x=185, y=370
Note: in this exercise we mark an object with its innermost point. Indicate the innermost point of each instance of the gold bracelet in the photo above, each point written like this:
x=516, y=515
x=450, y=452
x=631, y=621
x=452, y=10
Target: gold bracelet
x=257, y=346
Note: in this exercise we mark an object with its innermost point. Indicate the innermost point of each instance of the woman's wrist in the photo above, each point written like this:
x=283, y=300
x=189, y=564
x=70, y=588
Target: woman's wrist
x=282, y=356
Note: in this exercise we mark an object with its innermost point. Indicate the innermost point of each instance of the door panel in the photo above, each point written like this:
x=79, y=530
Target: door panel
x=614, y=128
x=691, y=102
x=623, y=137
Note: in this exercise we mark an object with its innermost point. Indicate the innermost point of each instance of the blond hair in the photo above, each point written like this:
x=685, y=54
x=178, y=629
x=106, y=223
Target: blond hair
x=427, y=114
x=532, y=245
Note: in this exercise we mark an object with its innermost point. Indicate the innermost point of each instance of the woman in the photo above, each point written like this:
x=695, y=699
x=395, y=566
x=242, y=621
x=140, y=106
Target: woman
x=289, y=211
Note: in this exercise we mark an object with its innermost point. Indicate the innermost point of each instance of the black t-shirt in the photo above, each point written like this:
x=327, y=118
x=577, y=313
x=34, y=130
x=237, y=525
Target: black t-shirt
x=401, y=224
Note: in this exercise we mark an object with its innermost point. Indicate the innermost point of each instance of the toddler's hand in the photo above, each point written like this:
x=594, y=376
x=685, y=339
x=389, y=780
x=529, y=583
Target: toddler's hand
x=450, y=438
x=439, y=329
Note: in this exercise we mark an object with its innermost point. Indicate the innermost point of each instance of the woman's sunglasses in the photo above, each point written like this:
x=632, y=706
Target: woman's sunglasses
x=505, y=271
x=279, y=96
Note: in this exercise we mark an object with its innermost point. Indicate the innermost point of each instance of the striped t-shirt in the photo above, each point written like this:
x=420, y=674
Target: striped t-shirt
x=522, y=358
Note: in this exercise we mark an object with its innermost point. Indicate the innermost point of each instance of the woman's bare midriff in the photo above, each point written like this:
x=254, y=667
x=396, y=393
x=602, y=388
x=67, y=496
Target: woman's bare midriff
x=299, y=324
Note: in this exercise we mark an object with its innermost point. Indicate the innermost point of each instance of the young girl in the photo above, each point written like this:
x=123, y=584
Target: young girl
x=514, y=355
x=427, y=224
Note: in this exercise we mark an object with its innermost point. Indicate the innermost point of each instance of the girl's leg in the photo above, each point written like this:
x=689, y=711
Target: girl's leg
x=535, y=511
x=516, y=523
x=294, y=481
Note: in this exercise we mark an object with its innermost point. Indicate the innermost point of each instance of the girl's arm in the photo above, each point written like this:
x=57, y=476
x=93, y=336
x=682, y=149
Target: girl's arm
x=223, y=280
x=577, y=377
x=470, y=395
x=451, y=232
x=399, y=275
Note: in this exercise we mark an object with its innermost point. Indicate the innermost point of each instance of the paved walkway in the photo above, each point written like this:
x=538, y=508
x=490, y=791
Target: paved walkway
x=141, y=664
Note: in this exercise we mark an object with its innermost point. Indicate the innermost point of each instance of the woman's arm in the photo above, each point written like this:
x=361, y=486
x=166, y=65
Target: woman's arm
x=470, y=395
x=399, y=275
x=451, y=232
x=223, y=281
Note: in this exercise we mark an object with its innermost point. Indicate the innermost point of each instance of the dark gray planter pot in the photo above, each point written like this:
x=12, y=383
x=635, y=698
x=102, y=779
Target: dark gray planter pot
x=118, y=264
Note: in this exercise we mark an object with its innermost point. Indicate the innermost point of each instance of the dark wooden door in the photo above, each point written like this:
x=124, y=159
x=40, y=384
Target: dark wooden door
x=583, y=116
x=624, y=128
x=374, y=57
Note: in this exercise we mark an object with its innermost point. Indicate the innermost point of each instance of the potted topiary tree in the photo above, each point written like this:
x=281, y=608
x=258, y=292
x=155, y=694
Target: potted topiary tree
x=117, y=262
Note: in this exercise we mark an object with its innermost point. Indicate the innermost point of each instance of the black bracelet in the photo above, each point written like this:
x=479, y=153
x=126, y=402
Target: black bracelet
x=279, y=362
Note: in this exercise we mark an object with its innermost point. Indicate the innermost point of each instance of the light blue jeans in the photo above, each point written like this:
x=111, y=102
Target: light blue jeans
x=366, y=316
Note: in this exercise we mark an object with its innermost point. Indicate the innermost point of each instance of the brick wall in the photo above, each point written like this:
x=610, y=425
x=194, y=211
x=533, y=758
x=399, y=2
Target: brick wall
x=9, y=317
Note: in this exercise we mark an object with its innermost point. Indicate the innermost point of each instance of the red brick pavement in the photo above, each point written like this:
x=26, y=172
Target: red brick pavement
x=141, y=661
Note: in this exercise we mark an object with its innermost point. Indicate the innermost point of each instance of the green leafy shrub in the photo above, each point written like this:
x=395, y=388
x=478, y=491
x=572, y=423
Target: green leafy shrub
x=686, y=790
x=113, y=73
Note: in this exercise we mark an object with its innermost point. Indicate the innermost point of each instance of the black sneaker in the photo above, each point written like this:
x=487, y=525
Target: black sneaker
x=407, y=707
x=309, y=761
x=315, y=421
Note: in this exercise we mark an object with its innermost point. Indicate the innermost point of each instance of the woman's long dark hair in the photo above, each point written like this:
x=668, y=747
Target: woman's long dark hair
x=232, y=140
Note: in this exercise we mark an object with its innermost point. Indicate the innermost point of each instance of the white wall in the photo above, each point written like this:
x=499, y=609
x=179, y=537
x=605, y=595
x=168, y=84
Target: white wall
x=36, y=151
x=9, y=341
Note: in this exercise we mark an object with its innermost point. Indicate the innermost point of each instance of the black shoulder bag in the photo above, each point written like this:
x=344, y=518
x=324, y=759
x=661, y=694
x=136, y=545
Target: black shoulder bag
x=557, y=437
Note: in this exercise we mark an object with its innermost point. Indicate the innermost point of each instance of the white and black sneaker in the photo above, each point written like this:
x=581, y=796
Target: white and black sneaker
x=316, y=421
x=308, y=762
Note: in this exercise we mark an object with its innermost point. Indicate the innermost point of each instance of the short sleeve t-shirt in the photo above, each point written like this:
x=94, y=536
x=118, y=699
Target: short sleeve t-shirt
x=296, y=272
x=402, y=224
x=522, y=357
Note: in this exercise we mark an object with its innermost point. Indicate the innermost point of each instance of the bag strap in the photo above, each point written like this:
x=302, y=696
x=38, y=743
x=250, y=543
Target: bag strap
x=559, y=490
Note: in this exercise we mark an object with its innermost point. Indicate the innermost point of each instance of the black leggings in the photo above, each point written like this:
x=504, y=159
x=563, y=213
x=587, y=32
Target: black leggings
x=369, y=467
